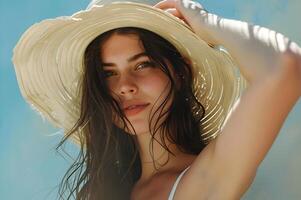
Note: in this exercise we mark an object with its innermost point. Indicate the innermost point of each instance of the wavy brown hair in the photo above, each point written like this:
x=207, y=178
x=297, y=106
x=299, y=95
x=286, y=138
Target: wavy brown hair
x=108, y=164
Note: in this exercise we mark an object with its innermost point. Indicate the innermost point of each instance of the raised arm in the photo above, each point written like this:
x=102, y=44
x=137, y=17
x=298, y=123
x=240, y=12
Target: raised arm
x=272, y=64
x=257, y=50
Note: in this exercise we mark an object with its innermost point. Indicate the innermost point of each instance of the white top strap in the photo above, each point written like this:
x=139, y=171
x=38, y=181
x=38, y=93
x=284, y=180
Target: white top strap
x=173, y=190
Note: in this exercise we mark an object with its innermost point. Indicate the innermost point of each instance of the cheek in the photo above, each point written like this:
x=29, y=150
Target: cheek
x=154, y=83
x=156, y=89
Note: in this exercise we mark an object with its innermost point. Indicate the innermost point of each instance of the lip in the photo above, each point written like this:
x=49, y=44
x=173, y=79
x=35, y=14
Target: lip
x=136, y=110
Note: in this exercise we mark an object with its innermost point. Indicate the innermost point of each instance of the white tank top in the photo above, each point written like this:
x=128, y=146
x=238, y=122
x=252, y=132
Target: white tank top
x=173, y=190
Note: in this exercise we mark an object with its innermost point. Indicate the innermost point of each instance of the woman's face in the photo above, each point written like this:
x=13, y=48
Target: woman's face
x=135, y=82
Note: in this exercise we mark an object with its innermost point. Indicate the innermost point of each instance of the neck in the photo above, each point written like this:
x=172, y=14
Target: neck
x=156, y=159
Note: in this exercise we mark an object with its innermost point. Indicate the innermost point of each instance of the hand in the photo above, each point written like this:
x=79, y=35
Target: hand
x=176, y=7
x=171, y=6
x=191, y=12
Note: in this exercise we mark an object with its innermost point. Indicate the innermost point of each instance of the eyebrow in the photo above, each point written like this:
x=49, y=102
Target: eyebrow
x=131, y=59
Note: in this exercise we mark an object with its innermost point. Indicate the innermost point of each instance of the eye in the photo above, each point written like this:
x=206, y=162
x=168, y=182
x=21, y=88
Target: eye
x=108, y=73
x=145, y=64
x=142, y=65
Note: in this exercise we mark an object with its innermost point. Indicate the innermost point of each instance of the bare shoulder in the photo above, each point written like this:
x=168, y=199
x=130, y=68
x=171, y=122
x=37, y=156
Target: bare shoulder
x=158, y=188
x=227, y=166
x=195, y=182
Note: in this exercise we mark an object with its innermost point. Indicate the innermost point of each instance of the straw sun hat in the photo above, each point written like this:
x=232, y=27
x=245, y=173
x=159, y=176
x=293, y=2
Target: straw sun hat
x=48, y=61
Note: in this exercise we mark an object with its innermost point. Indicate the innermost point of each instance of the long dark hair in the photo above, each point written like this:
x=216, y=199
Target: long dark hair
x=108, y=164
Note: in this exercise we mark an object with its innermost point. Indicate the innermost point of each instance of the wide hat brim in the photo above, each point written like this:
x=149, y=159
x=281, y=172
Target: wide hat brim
x=48, y=61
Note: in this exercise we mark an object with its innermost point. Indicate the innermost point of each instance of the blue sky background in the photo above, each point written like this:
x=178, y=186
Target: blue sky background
x=30, y=168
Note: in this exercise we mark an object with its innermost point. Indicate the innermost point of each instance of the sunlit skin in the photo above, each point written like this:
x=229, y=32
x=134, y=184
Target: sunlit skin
x=140, y=81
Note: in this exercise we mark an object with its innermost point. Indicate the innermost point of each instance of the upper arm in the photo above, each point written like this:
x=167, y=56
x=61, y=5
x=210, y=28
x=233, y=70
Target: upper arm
x=227, y=166
x=251, y=129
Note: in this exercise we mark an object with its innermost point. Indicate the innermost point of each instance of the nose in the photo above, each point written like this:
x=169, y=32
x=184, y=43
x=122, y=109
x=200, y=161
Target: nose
x=127, y=86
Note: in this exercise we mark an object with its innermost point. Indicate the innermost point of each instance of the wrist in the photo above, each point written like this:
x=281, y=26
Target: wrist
x=206, y=24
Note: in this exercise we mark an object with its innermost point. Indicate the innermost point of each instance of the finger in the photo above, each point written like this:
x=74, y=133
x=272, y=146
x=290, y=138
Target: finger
x=177, y=14
x=165, y=4
x=174, y=12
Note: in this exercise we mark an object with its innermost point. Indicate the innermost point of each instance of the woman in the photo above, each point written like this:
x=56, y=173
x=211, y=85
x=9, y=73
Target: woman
x=140, y=113
x=150, y=94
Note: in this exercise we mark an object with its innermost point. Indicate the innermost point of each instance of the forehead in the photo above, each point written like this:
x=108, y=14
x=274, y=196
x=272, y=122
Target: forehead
x=117, y=46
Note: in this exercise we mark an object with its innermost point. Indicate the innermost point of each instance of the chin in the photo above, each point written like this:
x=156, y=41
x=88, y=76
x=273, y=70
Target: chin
x=140, y=128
